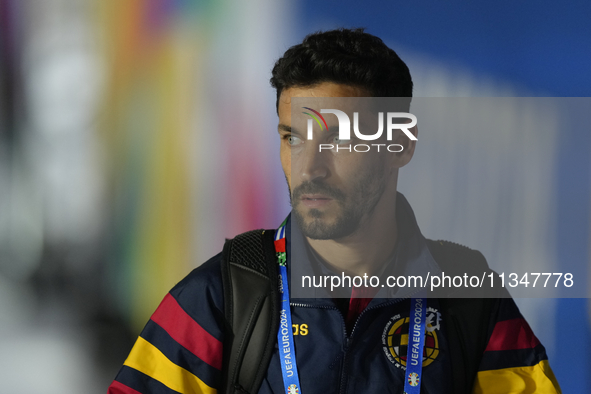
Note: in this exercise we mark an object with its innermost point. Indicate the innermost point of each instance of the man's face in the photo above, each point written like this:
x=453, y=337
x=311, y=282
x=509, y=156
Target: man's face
x=332, y=193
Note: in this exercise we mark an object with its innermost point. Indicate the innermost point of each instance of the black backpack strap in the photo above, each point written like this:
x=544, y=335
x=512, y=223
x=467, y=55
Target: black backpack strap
x=467, y=319
x=457, y=259
x=251, y=304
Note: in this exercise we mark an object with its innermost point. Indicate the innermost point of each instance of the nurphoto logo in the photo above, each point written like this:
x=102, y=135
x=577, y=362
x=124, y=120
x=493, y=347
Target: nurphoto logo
x=345, y=129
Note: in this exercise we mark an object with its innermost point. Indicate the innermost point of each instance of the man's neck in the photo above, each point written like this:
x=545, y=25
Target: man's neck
x=367, y=249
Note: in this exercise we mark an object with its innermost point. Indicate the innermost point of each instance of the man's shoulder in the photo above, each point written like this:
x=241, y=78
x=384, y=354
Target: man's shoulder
x=206, y=282
x=456, y=257
x=210, y=270
x=202, y=288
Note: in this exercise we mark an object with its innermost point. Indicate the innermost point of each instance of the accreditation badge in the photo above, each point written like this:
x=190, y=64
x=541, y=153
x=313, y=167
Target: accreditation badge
x=396, y=334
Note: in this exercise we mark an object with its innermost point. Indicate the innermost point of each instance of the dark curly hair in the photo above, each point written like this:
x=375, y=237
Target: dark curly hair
x=346, y=56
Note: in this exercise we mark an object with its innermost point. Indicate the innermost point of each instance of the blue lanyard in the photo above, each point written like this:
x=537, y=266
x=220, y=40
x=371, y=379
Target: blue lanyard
x=416, y=340
x=289, y=367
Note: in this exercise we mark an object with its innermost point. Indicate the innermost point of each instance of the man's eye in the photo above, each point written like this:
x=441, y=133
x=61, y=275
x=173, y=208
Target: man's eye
x=339, y=141
x=293, y=140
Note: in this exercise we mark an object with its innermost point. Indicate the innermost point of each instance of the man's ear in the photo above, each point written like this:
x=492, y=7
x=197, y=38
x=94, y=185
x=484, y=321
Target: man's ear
x=400, y=159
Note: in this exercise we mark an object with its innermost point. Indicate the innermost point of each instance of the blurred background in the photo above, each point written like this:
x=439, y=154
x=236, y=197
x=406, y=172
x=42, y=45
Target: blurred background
x=136, y=135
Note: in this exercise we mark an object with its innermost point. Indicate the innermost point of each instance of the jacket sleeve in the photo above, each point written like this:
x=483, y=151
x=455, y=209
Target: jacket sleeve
x=180, y=348
x=514, y=360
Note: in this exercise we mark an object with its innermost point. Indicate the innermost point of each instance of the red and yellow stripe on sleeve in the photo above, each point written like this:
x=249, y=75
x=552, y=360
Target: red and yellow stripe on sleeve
x=515, y=362
x=174, y=354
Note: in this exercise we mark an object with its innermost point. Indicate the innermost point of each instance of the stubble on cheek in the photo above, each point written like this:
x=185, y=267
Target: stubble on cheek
x=351, y=208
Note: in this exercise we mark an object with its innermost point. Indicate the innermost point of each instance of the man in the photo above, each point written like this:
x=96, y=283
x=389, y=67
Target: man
x=348, y=219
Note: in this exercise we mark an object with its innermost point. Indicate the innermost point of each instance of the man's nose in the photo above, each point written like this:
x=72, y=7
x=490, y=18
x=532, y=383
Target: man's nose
x=313, y=163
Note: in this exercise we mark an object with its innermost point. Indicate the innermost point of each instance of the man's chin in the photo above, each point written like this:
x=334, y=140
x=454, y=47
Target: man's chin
x=322, y=227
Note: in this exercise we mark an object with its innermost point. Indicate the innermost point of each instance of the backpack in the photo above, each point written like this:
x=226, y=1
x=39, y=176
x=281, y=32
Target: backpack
x=251, y=304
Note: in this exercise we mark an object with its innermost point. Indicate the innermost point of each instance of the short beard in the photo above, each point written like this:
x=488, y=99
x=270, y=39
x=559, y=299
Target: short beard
x=354, y=207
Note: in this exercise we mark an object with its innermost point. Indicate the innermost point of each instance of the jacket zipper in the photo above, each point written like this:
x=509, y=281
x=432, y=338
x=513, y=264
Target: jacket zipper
x=348, y=339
